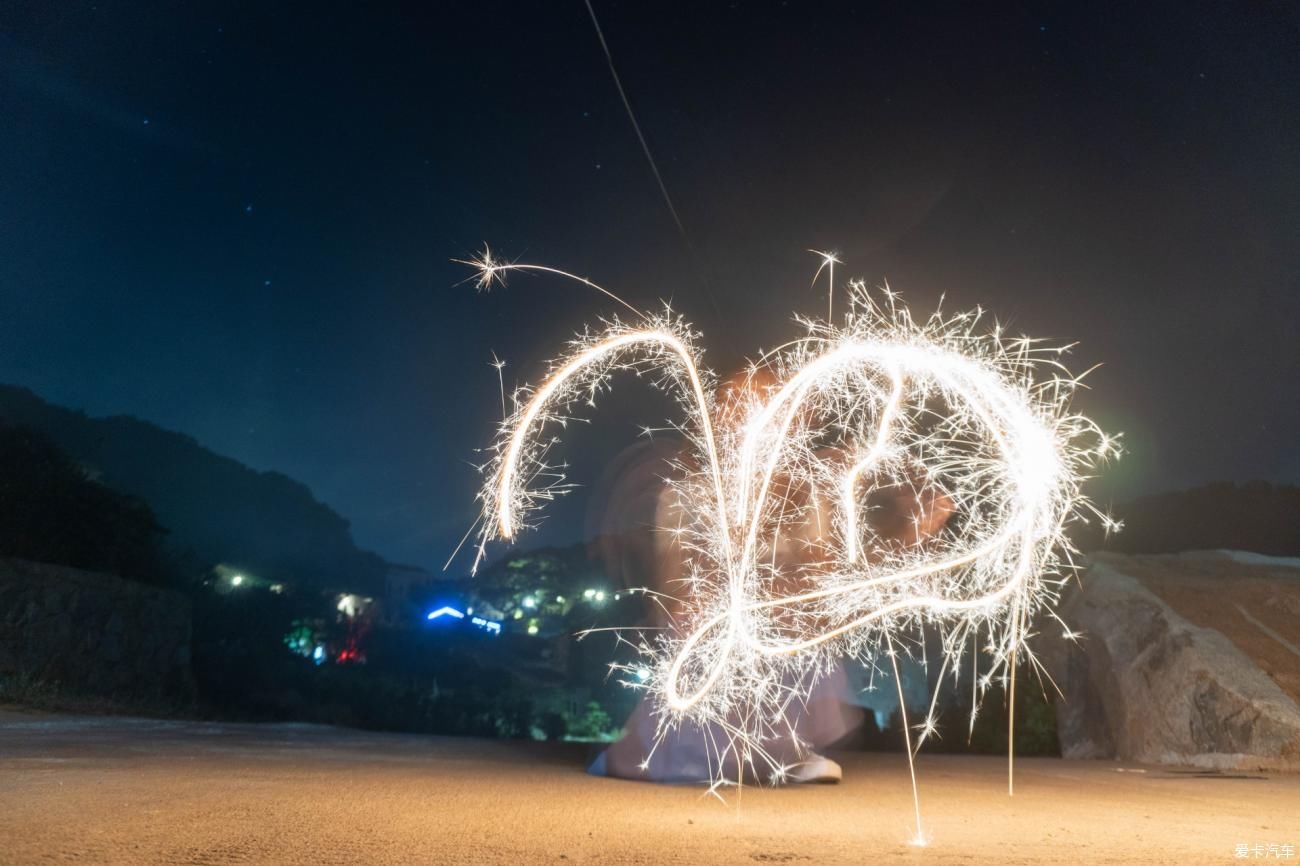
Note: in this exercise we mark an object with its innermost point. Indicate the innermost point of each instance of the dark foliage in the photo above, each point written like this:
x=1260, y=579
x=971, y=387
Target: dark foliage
x=1035, y=728
x=550, y=571
x=423, y=680
x=50, y=511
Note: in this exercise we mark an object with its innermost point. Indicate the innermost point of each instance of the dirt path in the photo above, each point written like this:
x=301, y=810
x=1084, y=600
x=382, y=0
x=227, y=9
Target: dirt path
x=130, y=791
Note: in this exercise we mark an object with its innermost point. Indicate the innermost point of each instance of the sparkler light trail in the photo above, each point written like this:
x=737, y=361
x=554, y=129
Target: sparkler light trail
x=787, y=504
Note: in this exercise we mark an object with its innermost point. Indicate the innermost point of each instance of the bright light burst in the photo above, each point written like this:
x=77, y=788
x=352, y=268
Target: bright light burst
x=965, y=431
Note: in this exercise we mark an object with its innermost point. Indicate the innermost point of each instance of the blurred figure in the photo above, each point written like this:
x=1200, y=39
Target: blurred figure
x=628, y=509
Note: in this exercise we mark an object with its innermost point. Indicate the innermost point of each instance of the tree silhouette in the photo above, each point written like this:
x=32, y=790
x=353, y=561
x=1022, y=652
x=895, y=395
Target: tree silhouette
x=51, y=511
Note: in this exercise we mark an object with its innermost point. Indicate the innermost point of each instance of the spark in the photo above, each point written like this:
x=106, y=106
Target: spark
x=500, y=366
x=907, y=740
x=971, y=430
x=829, y=261
x=493, y=271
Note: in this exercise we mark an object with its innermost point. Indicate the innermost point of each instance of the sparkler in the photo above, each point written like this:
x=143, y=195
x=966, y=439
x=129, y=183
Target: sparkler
x=971, y=430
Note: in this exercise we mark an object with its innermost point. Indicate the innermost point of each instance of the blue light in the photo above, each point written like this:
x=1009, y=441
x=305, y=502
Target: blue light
x=318, y=654
x=445, y=611
x=486, y=624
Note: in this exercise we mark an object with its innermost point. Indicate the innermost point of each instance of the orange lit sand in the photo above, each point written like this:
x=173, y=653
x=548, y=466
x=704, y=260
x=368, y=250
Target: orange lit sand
x=101, y=790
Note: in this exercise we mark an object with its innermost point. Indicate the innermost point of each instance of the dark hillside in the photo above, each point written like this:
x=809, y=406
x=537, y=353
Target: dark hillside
x=215, y=509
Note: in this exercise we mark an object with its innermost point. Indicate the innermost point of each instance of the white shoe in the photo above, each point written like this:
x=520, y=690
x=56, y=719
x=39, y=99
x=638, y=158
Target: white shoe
x=817, y=770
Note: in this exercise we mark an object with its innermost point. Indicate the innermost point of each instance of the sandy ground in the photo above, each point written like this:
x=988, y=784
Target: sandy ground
x=100, y=790
x=1255, y=604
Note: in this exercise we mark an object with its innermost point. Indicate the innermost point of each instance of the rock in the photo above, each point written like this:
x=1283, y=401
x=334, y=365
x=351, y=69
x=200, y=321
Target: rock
x=8, y=664
x=96, y=635
x=111, y=647
x=115, y=622
x=1144, y=684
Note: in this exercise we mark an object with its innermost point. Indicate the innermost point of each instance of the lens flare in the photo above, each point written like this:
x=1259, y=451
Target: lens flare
x=923, y=473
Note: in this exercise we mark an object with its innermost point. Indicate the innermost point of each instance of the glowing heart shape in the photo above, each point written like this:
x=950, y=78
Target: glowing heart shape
x=879, y=405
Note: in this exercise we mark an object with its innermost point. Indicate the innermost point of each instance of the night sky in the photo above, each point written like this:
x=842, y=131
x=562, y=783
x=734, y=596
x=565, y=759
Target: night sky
x=237, y=220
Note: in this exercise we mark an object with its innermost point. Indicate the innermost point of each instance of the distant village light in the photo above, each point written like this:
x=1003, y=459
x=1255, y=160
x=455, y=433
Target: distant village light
x=352, y=605
x=487, y=624
x=237, y=580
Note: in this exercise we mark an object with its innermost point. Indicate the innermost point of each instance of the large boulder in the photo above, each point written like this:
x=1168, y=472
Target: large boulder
x=1144, y=684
